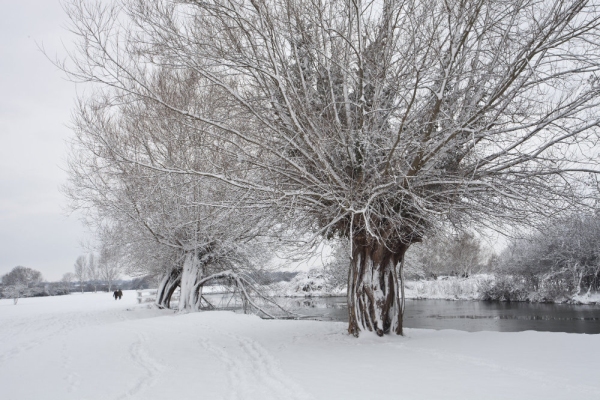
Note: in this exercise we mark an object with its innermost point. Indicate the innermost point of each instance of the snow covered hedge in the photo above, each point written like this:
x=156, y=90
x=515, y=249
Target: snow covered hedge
x=315, y=282
x=449, y=287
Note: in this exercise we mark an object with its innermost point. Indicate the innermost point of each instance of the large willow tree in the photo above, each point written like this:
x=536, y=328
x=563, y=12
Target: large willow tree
x=372, y=120
x=185, y=230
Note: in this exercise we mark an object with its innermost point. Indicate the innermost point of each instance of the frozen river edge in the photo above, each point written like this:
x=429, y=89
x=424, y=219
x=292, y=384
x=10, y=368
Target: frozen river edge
x=93, y=347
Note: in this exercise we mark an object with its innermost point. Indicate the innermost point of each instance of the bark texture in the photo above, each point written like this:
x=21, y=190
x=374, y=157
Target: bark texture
x=374, y=293
x=167, y=287
x=190, y=295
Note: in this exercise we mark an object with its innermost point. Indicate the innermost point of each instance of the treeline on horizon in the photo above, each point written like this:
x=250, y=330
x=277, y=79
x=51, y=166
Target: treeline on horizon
x=57, y=288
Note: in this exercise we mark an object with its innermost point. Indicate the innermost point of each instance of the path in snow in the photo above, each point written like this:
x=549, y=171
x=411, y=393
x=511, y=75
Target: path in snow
x=252, y=371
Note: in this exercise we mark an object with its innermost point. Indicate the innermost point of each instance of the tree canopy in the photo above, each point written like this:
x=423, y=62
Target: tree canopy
x=22, y=276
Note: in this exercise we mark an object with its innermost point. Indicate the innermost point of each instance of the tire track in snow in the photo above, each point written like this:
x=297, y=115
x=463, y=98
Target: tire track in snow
x=138, y=352
x=253, y=372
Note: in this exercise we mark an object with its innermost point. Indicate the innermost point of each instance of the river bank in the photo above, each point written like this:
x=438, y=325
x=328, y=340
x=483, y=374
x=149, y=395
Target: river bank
x=475, y=287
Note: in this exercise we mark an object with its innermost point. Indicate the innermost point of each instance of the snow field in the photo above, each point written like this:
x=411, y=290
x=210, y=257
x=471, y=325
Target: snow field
x=93, y=347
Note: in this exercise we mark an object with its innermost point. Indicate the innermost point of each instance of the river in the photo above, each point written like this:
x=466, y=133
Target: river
x=461, y=315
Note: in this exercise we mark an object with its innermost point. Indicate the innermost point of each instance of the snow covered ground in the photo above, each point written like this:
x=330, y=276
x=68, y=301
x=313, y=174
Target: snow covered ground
x=93, y=347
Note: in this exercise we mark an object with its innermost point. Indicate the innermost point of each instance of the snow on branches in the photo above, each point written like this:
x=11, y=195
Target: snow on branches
x=373, y=121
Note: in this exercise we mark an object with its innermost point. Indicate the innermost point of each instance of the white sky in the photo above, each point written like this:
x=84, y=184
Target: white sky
x=35, y=106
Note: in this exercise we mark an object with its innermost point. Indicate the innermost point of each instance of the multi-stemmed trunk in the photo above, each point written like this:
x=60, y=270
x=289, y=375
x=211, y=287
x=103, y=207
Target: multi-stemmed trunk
x=190, y=293
x=167, y=287
x=375, y=287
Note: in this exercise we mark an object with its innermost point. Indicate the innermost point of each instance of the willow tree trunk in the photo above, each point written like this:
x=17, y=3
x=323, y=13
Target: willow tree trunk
x=375, y=301
x=190, y=296
x=167, y=287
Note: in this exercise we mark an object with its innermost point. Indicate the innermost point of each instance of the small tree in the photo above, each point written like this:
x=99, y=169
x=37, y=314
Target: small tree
x=453, y=254
x=81, y=270
x=108, y=266
x=66, y=280
x=466, y=255
x=93, y=271
x=19, y=282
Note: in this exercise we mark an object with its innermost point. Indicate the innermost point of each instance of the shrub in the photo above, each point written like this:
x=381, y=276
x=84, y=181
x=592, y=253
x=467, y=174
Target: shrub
x=505, y=288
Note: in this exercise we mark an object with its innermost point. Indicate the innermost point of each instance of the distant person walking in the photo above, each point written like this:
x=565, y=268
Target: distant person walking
x=117, y=294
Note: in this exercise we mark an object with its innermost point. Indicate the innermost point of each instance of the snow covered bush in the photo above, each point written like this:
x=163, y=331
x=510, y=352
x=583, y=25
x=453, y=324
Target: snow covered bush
x=21, y=282
x=315, y=282
x=450, y=288
x=559, y=261
x=504, y=289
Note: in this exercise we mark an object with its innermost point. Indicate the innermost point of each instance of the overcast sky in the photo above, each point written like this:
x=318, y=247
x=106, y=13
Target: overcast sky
x=35, y=106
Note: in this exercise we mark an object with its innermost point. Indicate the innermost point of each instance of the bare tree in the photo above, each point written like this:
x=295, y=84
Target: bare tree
x=19, y=282
x=174, y=225
x=448, y=254
x=108, y=266
x=66, y=279
x=81, y=267
x=374, y=121
x=466, y=256
x=93, y=271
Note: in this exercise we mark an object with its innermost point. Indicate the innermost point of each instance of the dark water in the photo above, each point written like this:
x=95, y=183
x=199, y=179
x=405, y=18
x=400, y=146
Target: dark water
x=467, y=315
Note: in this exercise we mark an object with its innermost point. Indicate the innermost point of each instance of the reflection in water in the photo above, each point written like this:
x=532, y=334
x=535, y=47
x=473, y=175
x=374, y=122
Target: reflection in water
x=524, y=317
x=504, y=317
x=460, y=315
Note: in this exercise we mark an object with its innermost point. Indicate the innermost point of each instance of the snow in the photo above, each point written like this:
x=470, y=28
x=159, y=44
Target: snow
x=313, y=283
x=587, y=298
x=448, y=288
x=91, y=346
x=316, y=283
